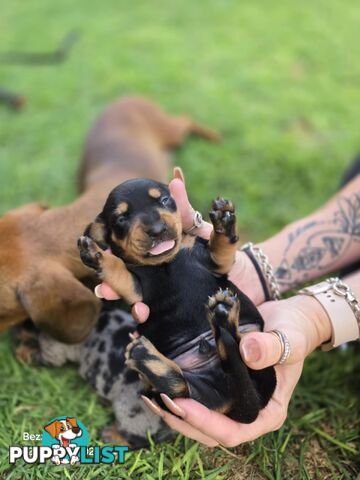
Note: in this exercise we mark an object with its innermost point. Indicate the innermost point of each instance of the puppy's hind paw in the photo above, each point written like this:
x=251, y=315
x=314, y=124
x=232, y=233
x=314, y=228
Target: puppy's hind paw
x=224, y=310
x=137, y=350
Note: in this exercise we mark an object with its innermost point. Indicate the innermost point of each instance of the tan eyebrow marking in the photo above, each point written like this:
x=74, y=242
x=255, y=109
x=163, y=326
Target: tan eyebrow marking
x=154, y=192
x=122, y=207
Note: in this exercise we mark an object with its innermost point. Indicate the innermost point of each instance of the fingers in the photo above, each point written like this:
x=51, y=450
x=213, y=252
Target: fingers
x=103, y=290
x=185, y=429
x=221, y=429
x=263, y=349
x=178, y=424
x=178, y=192
x=140, y=311
x=260, y=350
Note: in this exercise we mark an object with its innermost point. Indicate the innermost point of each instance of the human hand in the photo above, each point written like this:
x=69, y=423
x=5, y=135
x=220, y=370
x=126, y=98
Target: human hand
x=306, y=325
x=243, y=273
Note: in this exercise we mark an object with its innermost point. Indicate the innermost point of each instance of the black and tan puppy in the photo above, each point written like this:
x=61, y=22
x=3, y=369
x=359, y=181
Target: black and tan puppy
x=189, y=346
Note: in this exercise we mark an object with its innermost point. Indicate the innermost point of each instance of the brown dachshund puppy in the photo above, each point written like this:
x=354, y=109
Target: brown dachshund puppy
x=41, y=273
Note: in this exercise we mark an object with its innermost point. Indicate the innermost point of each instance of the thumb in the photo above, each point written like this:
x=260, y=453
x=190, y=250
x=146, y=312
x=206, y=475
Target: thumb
x=103, y=290
x=260, y=350
x=178, y=192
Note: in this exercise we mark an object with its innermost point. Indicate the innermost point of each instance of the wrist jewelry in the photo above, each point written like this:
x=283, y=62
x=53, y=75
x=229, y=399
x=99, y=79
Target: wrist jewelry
x=344, y=316
x=264, y=270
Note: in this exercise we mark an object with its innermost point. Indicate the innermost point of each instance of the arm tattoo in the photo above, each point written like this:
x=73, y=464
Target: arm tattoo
x=317, y=245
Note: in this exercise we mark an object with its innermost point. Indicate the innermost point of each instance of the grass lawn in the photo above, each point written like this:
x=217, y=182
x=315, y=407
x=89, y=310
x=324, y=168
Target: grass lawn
x=280, y=80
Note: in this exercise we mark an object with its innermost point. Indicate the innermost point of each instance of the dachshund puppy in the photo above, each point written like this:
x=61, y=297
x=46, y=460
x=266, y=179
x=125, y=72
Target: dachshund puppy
x=189, y=346
x=42, y=277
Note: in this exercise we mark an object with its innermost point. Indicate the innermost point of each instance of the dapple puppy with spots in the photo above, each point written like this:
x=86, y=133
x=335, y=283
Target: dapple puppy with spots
x=101, y=359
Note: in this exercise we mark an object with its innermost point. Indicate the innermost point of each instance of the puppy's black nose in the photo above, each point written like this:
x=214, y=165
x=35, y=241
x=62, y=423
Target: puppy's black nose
x=75, y=429
x=157, y=229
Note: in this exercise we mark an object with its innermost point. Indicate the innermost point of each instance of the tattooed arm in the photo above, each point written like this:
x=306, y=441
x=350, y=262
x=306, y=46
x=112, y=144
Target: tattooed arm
x=323, y=242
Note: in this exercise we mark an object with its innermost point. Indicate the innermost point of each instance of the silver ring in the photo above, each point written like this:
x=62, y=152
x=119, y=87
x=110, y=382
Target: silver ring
x=285, y=346
x=197, y=221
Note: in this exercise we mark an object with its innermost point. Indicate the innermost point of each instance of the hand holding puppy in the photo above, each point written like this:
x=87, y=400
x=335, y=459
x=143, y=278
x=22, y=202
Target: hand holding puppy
x=243, y=274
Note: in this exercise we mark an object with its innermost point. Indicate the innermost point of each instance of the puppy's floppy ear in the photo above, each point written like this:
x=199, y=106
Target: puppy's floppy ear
x=72, y=421
x=97, y=231
x=58, y=303
x=53, y=428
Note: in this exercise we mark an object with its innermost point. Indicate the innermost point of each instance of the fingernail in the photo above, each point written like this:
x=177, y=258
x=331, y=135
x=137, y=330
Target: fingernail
x=250, y=350
x=172, y=405
x=178, y=173
x=98, y=292
x=151, y=406
x=141, y=312
x=137, y=311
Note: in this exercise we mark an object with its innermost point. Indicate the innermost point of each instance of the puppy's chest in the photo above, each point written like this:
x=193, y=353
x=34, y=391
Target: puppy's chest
x=184, y=280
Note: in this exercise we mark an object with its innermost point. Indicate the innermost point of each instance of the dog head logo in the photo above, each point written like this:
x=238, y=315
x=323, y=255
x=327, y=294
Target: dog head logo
x=64, y=430
x=65, y=435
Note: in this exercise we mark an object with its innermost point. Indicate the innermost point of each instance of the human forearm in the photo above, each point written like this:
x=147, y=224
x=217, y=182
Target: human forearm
x=320, y=243
x=353, y=281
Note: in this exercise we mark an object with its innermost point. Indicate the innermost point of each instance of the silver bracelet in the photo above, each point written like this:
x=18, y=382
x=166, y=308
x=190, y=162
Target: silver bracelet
x=342, y=289
x=266, y=269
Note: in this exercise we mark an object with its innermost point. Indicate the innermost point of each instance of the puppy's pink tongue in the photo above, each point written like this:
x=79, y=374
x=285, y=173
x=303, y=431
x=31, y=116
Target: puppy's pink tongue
x=162, y=247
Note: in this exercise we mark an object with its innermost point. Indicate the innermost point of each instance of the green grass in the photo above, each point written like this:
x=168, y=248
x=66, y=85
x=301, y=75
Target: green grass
x=280, y=80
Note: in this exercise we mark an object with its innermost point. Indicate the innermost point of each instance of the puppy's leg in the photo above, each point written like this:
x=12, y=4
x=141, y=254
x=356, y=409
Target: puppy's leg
x=57, y=354
x=26, y=343
x=223, y=316
x=224, y=239
x=110, y=269
x=178, y=128
x=102, y=364
x=164, y=375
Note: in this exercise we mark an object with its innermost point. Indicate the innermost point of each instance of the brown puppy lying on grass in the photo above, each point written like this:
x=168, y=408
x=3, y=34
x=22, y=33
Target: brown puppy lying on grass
x=42, y=277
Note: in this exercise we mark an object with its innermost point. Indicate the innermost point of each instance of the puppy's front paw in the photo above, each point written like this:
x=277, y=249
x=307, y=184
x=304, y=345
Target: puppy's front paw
x=90, y=253
x=223, y=218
